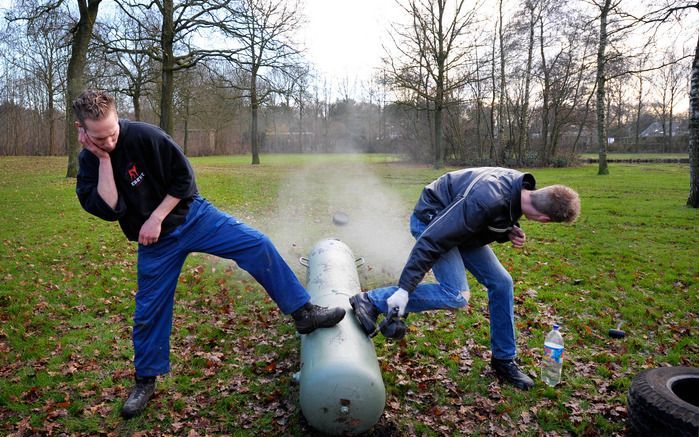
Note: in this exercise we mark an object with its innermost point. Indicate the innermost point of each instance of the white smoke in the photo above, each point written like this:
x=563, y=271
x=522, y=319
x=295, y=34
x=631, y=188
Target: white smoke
x=377, y=229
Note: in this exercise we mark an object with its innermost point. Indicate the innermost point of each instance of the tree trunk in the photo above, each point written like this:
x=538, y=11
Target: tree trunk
x=671, y=118
x=479, y=140
x=619, y=107
x=545, y=96
x=428, y=125
x=136, y=101
x=439, y=98
x=438, y=152
x=50, y=110
x=523, y=141
x=639, y=108
x=185, y=146
x=253, y=122
x=693, y=200
x=582, y=125
x=608, y=114
x=301, y=136
x=493, y=149
x=168, y=68
x=326, y=121
x=600, y=80
x=663, y=119
x=74, y=78
x=501, y=103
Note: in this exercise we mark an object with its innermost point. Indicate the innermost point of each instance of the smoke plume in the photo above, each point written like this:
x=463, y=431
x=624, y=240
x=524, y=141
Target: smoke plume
x=377, y=229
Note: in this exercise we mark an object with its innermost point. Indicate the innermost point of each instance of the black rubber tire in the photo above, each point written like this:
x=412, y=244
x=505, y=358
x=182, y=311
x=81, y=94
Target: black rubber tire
x=665, y=402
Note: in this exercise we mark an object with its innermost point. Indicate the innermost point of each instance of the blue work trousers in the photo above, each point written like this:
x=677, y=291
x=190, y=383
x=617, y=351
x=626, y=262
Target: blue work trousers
x=450, y=272
x=207, y=230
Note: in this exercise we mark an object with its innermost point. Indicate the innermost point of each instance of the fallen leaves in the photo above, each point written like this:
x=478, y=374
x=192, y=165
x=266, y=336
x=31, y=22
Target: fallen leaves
x=233, y=355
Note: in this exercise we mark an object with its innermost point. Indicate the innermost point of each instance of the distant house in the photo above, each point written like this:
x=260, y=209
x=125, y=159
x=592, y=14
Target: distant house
x=656, y=130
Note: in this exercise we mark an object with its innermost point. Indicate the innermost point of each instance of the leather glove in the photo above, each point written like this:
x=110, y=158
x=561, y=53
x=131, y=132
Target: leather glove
x=398, y=299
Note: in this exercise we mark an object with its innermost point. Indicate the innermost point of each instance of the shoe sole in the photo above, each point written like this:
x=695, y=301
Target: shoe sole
x=363, y=318
x=130, y=415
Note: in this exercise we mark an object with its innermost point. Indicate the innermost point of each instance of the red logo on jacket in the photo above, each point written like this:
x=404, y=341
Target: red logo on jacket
x=133, y=173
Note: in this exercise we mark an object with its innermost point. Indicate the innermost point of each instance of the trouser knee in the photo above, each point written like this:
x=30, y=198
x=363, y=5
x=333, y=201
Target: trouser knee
x=456, y=298
x=263, y=246
x=502, y=286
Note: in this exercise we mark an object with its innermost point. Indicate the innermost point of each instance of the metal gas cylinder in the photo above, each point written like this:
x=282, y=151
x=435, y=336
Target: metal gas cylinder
x=341, y=390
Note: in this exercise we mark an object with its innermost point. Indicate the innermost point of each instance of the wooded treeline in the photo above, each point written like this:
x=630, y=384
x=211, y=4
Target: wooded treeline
x=526, y=82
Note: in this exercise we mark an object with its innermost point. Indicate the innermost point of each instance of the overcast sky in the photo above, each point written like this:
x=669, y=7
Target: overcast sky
x=343, y=38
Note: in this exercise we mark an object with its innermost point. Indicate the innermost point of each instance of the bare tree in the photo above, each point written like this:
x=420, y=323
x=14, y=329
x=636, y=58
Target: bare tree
x=693, y=199
x=675, y=10
x=639, y=101
x=300, y=79
x=494, y=151
x=128, y=46
x=175, y=48
x=605, y=6
x=545, y=92
x=564, y=74
x=292, y=85
x=502, y=143
x=39, y=51
x=81, y=35
x=668, y=82
x=533, y=8
x=566, y=83
x=478, y=92
x=265, y=29
x=623, y=24
x=220, y=107
x=430, y=56
x=189, y=83
x=323, y=111
x=347, y=86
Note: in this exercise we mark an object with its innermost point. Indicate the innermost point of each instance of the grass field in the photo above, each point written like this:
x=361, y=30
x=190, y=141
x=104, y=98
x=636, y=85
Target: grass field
x=68, y=281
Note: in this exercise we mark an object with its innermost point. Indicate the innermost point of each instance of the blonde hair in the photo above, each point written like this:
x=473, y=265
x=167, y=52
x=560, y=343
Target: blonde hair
x=558, y=202
x=93, y=105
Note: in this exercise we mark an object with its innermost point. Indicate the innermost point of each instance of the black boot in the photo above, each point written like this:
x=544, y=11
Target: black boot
x=508, y=370
x=309, y=317
x=365, y=312
x=136, y=402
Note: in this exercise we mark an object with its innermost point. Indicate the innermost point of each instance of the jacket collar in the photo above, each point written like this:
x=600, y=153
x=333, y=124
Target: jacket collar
x=526, y=181
x=123, y=129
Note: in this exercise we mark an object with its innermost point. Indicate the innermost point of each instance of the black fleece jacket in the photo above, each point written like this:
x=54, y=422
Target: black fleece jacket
x=486, y=214
x=147, y=166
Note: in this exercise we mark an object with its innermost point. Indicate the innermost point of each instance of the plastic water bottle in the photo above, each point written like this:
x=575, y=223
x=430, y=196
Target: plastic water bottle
x=553, y=357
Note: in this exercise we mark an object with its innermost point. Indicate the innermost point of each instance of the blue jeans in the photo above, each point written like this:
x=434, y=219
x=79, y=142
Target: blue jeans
x=450, y=272
x=207, y=230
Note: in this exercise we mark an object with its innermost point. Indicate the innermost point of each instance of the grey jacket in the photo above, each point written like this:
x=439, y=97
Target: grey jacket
x=487, y=213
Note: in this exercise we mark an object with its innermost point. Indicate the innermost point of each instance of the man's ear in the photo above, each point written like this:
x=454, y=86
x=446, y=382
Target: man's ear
x=78, y=125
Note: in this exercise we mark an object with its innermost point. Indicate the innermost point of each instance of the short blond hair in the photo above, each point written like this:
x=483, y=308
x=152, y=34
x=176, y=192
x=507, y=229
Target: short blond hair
x=93, y=105
x=558, y=202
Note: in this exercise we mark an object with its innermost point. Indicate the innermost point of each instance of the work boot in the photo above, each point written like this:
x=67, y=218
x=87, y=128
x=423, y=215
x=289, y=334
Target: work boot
x=365, y=312
x=136, y=402
x=508, y=370
x=309, y=317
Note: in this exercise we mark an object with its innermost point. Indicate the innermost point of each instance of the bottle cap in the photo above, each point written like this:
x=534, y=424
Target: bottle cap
x=555, y=326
